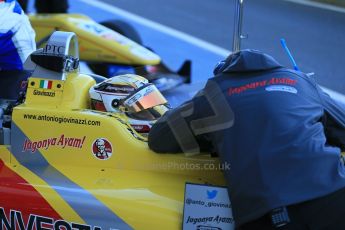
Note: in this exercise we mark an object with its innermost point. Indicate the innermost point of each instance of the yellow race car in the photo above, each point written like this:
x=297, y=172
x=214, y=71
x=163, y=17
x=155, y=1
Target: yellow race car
x=111, y=48
x=66, y=166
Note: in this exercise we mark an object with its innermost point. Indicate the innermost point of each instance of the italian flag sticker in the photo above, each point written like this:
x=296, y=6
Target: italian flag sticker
x=45, y=84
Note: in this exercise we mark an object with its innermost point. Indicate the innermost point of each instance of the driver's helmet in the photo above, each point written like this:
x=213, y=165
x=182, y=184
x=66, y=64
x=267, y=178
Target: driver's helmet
x=132, y=95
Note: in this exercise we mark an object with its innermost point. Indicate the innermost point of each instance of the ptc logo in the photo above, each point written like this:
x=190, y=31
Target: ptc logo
x=211, y=194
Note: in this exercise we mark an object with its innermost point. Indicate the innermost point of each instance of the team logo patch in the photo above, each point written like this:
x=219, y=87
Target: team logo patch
x=282, y=88
x=102, y=149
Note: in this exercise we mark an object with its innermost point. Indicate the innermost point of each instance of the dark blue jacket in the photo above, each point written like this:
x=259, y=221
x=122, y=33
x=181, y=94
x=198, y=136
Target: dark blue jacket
x=283, y=144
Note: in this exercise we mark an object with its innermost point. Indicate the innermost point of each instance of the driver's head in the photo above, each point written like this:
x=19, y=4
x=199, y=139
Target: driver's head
x=131, y=94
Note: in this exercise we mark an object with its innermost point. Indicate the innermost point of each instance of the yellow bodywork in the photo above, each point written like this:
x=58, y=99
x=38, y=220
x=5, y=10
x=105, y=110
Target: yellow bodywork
x=96, y=42
x=143, y=188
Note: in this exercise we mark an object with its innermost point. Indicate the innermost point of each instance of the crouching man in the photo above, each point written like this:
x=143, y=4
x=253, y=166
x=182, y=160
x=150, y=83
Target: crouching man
x=281, y=134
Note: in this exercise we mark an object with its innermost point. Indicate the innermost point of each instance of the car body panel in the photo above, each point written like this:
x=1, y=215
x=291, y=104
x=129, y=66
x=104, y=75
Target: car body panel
x=53, y=162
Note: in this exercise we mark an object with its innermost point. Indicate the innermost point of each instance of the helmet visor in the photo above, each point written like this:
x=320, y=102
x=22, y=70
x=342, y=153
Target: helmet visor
x=145, y=98
x=151, y=114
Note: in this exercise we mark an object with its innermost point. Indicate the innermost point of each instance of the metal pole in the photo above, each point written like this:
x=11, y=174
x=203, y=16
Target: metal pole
x=236, y=45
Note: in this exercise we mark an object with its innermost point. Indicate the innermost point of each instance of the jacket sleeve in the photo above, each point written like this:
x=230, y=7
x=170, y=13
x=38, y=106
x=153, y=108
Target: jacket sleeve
x=172, y=133
x=333, y=120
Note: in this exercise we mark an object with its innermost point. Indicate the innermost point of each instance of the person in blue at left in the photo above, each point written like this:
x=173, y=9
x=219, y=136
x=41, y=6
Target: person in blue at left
x=47, y=6
x=17, y=42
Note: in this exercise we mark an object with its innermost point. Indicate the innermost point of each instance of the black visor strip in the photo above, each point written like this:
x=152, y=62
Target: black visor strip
x=56, y=63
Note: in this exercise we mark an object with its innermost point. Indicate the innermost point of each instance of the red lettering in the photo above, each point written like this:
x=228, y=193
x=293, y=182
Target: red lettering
x=263, y=83
x=241, y=89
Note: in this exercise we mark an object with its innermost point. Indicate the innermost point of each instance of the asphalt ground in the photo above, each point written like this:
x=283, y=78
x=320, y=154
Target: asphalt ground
x=315, y=36
x=333, y=2
x=201, y=30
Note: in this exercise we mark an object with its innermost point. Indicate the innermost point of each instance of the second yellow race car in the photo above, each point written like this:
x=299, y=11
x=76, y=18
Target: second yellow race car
x=112, y=48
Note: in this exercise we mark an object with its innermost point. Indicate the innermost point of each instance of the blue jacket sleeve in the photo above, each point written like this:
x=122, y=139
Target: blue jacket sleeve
x=333, y=120
x=172, y=133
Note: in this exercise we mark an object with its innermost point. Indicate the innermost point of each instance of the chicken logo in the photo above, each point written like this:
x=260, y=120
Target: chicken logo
x=102, y=149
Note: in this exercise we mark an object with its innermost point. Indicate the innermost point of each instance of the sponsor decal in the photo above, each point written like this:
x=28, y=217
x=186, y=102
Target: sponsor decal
x=104, y=32
x=282, y=88
x=46, y=84
x=43, y=93
x=134, y=99
x=50, y=48
x=140, y=94
x=209, y=204
x=93, y=28
x=17, y=221
x=102, y=149
x=141, y=128
x=211, y=194
x=60, y=120
x=110, y=36
x=286, y=81
x=209, y=220
x=259, y=84
x=207, y=207
x=202, y=227
x=121, y=89
x=61, y=142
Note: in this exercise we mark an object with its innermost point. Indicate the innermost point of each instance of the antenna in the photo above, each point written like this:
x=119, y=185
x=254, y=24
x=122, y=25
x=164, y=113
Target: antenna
x=283, y=42
x=236, y=45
